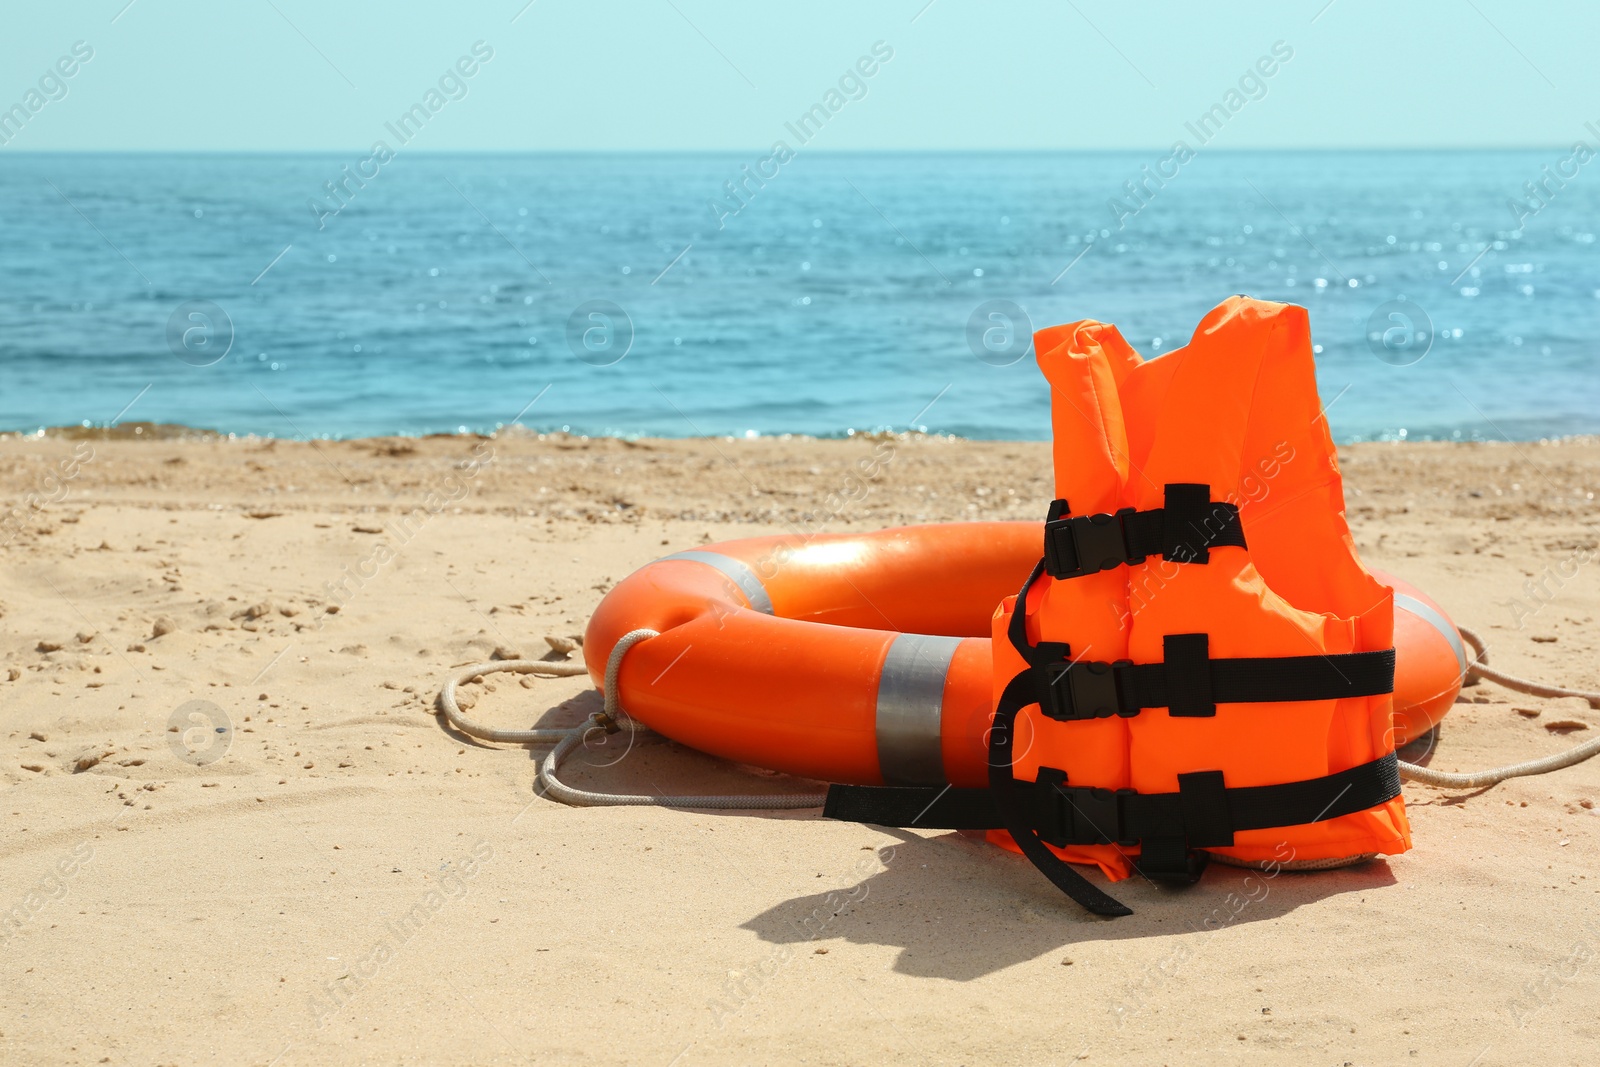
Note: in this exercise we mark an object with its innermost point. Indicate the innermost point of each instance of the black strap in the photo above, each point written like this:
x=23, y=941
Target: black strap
x=1082, y=815
x=1185, y=529
x=1188, y=683
x=1036, y=655
x=1014, y=816
x=1009, y=812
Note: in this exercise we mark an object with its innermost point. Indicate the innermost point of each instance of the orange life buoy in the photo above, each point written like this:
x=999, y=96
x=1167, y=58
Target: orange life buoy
x=865, y=658
x=1430, y=661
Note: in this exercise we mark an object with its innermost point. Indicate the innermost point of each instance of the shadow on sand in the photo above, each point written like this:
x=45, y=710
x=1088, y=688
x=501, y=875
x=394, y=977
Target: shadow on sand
x=960, y=908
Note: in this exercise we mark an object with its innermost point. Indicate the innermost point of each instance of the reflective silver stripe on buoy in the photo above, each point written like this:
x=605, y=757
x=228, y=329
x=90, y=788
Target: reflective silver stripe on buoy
x=1438, y=622
x=739, y=573
x=910, y=700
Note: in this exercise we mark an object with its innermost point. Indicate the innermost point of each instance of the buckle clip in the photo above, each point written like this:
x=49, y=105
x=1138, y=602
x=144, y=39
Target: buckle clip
x=1086, y=544
x=1079, y=815
x=1095, y=814
x=1086, y=689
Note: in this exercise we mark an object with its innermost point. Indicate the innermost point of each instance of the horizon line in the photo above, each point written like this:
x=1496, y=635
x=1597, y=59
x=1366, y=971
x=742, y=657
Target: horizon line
x=1246, y=150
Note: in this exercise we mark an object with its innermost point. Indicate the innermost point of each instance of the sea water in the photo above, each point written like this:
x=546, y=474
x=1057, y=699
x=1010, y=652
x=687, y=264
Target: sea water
x=1452, y=295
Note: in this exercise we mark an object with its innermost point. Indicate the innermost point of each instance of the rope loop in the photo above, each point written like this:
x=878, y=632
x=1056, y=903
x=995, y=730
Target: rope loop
x=613, y=720
x=1479, y=668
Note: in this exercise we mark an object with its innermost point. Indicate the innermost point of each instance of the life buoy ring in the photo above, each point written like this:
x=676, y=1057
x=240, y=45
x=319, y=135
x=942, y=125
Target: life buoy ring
x=865, y=658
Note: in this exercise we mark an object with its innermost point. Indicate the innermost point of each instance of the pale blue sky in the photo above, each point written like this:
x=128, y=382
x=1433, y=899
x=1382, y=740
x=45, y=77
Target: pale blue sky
x=713, y=74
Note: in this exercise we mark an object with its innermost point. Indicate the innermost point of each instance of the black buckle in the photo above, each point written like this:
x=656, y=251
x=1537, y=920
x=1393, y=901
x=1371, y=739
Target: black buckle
x=1086, y=544
x=1086, y=689
x=1078, y=815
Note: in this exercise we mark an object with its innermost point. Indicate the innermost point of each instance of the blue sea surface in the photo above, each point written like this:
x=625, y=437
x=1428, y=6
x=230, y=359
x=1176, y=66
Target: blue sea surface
x=847, y=291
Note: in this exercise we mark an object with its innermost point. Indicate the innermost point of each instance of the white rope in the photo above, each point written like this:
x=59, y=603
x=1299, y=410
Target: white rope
x=612, y=720
x=452, y=710
x=1479, y=668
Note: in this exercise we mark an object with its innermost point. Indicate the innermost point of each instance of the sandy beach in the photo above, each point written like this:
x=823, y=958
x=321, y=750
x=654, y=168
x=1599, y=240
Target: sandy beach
x=349, y=882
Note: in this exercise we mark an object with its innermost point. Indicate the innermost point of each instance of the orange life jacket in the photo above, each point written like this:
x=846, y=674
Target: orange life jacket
x=1200, y=663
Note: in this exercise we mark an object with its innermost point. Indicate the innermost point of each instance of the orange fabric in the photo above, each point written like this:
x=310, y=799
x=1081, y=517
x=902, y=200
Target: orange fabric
x=1235, y=409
